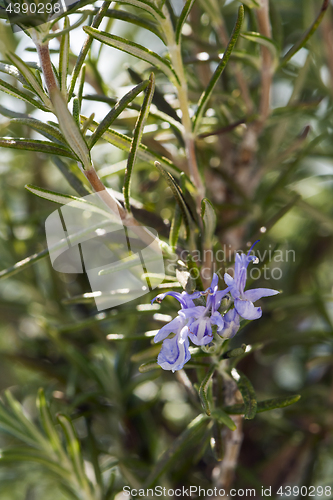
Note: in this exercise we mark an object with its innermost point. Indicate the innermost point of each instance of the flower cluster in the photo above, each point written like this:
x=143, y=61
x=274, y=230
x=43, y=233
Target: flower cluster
x=195, y=322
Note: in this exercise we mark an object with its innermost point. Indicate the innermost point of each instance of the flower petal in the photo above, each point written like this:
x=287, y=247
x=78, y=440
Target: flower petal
x=246, y=309
x=176, y=295
x=242, y=279
x=234, y=290
x=216, y=319
x=173, y=327
x=258, y=293
x=215, y=282
x=189, y=297
x=218, y=298
x=239, y=263
x=193, y=312
x=200, y=331
x=228, y=279
x=231, y=324
x=213, y=286
x=175, y=352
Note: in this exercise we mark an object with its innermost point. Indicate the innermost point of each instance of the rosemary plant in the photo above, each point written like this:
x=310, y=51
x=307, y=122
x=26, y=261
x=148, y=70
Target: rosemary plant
x=197, y=128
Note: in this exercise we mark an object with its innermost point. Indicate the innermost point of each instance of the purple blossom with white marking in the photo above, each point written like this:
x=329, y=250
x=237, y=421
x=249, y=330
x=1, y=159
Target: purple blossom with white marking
x=196, y=322
x=202, y=318
x=175, y=352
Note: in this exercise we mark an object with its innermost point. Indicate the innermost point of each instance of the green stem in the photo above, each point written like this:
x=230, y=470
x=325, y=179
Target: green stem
x=182, y=91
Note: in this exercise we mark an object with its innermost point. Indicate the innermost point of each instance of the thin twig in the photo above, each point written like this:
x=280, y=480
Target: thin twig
x=223, y=474
x=177, y=62
x=250, y=141
x=223, y=130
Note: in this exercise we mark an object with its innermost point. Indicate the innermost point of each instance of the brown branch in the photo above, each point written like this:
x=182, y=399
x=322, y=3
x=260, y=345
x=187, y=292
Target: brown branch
x=224, y=472
x=46, y=65
x=250, y=141
x=223, y=130
x=127, y=219
x=182, y=92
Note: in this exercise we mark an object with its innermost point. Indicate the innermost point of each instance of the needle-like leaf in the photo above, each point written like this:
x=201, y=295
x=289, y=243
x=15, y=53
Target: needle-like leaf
x=35, y=145
x=182, y=18
x=204, y=389
x=136, y=141
x=9, y=89
x=248, y=393
x=307, y=35
x=63, y=59
x=30, y=78
x=115, y=111
x=123, y=142
x=134, y=49
x=265, y=405
x=177, y=447
x=49, y=131
x=147, y=6
x=70, y=130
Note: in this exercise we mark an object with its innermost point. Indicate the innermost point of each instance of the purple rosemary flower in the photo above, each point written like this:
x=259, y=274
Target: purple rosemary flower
x=202, y=318
x=175, y=352
x=192, y=321
x=195, y=322
x=244, y=300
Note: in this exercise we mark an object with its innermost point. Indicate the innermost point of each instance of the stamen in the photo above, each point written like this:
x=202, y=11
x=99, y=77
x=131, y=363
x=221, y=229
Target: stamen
x=248, y=253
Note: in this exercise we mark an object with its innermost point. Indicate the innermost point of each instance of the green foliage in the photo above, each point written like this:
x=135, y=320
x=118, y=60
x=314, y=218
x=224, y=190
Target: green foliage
x=137, y=136
x=46, y=448
x=134, y=49
x=115, y=112
x=248, y=394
